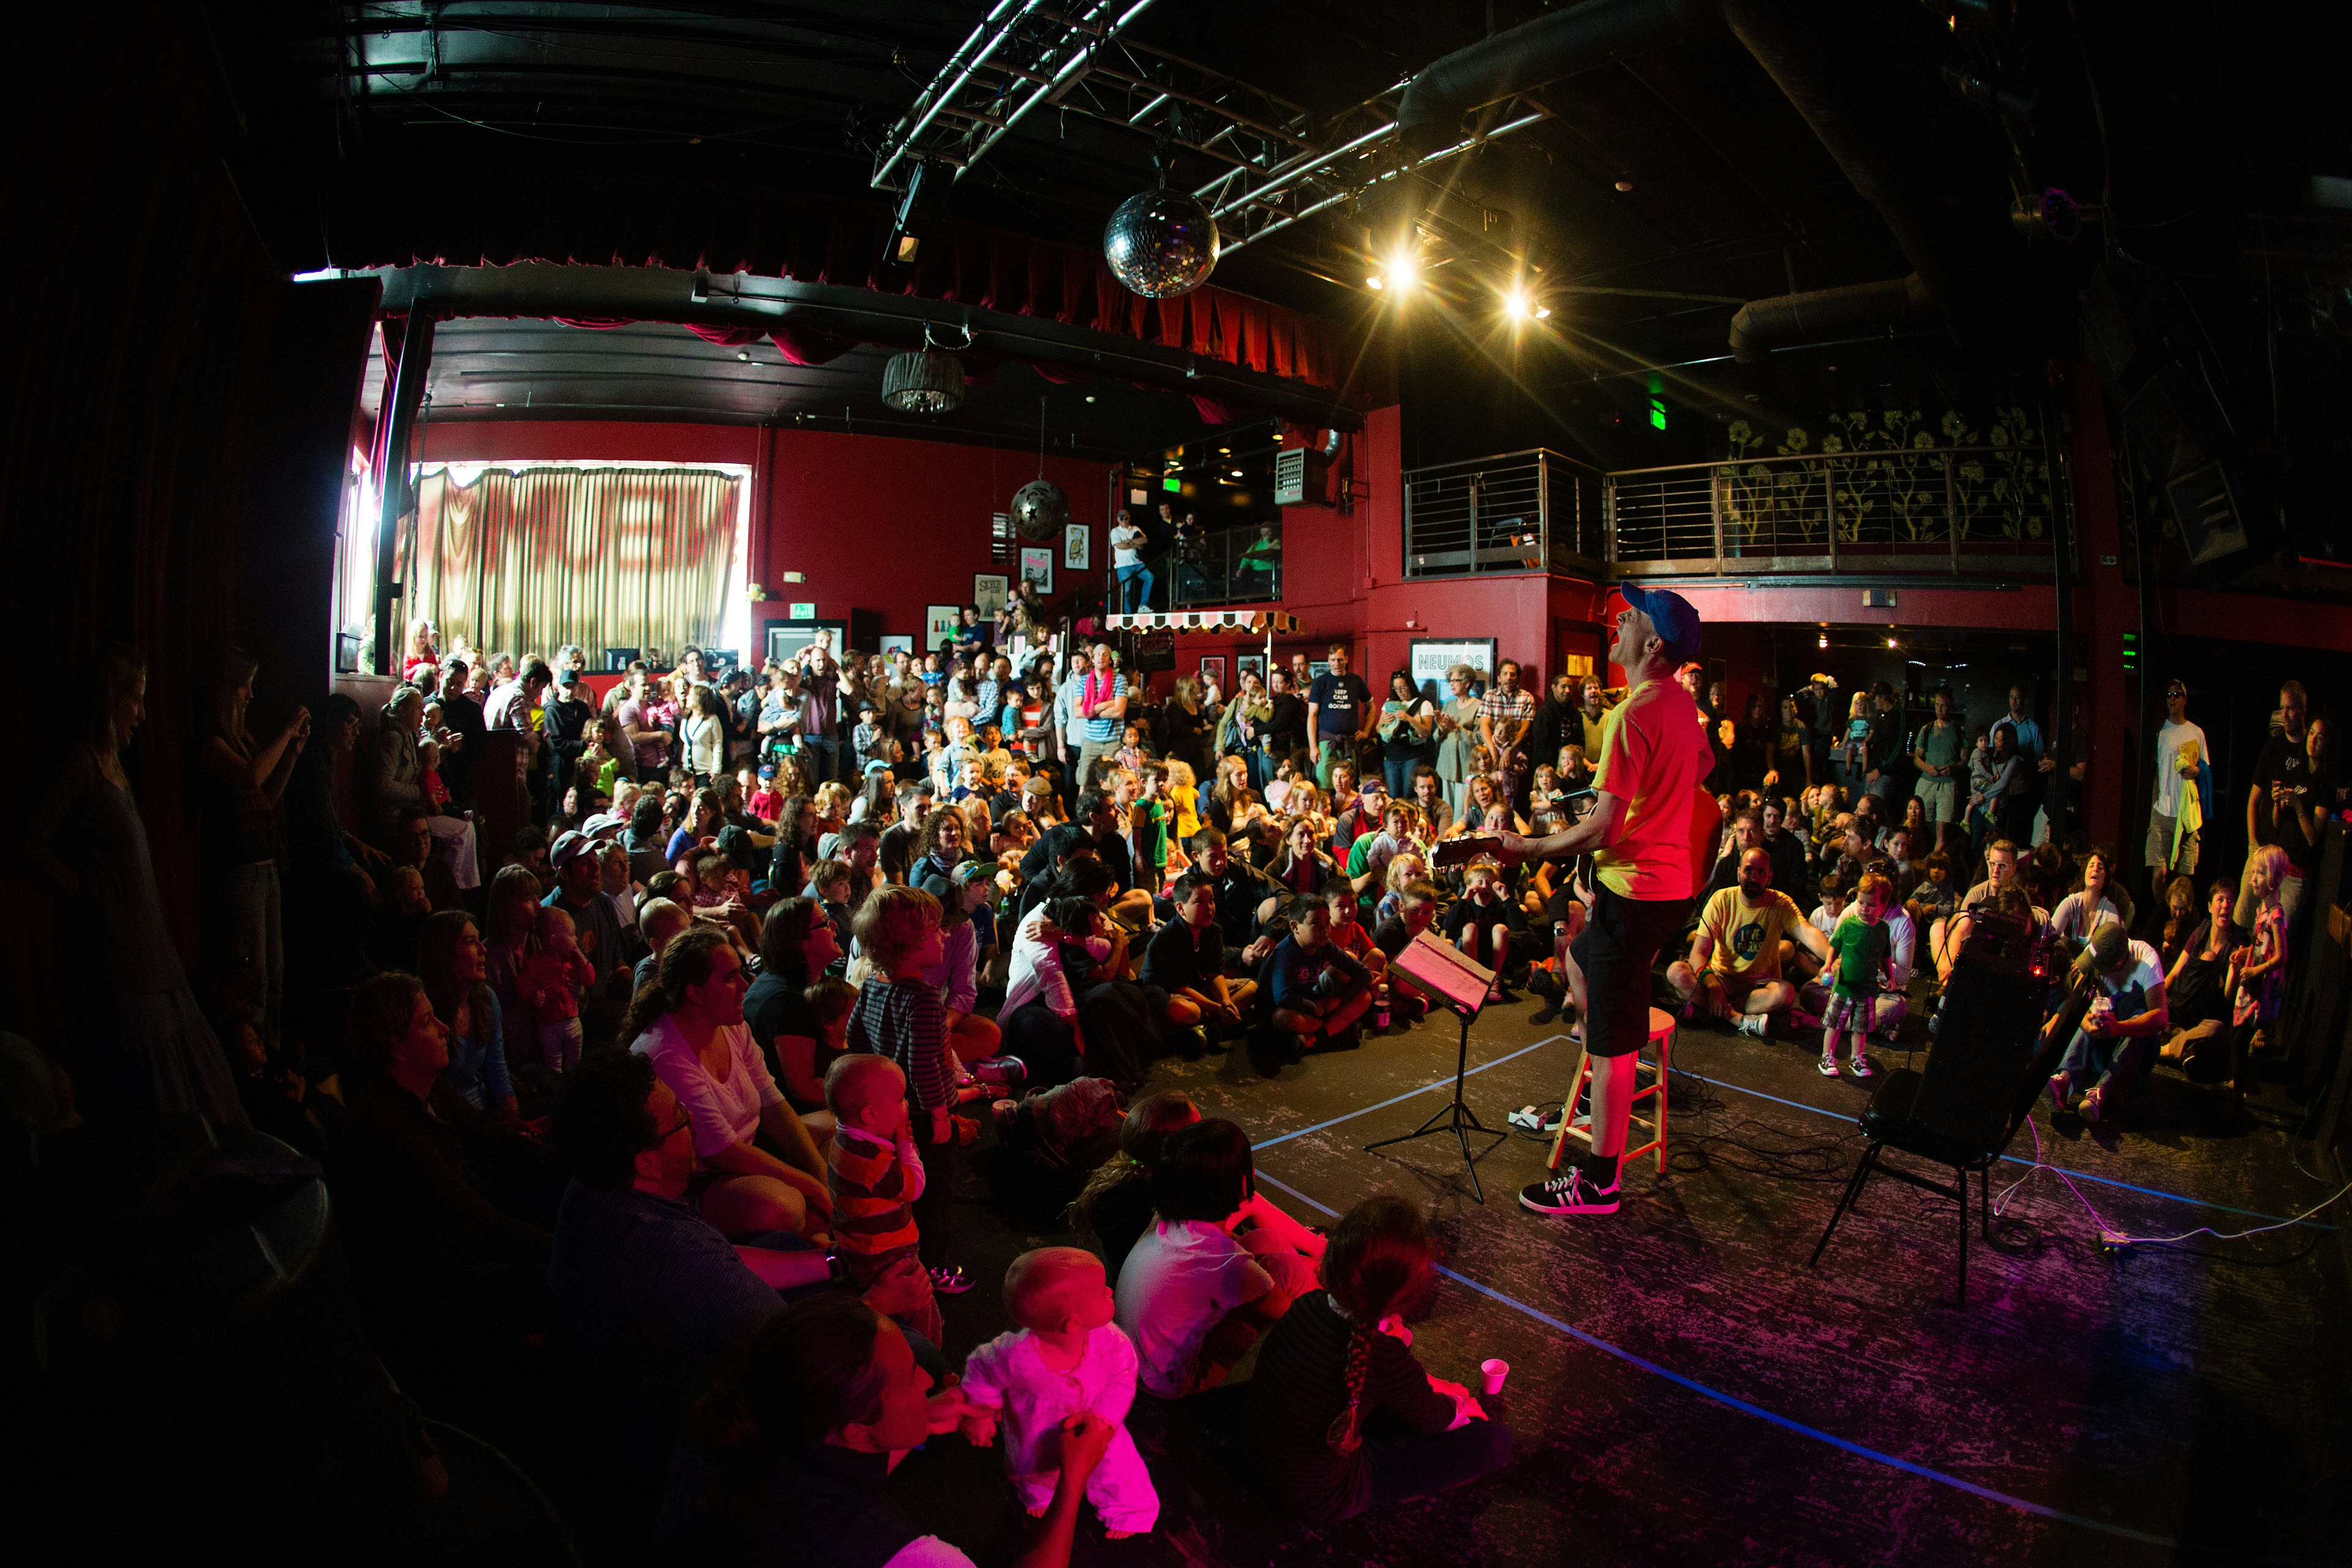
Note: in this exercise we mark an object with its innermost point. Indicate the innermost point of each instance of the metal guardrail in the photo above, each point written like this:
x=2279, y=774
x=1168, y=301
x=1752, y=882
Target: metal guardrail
x=1522, y=512
x=1236, y=567
x=1951, y=510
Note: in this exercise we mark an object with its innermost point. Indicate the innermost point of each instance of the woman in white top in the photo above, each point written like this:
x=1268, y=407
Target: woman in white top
x=2079, y=914
x=702, y=733
x=689, y=1022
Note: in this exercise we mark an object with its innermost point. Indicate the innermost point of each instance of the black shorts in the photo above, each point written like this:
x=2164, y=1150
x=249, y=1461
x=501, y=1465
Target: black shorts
x=1618, y=946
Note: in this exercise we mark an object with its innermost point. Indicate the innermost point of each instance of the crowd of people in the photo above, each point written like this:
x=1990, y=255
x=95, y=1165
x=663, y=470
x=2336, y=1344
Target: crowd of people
x=686, y=1070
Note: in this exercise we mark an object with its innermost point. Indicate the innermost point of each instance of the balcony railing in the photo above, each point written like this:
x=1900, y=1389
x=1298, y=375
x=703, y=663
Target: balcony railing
x=1234, y=567
x=1975, y=511
x=1522, y=512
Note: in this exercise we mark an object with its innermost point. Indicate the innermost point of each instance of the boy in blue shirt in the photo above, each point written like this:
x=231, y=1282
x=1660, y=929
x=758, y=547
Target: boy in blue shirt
x=1319, y=992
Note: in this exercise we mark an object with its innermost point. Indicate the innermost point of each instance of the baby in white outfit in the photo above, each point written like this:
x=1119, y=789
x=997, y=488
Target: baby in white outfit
x=1066, y=1357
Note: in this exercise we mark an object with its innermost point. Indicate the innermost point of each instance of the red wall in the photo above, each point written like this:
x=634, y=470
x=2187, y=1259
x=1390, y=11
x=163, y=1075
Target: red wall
x=874, y=522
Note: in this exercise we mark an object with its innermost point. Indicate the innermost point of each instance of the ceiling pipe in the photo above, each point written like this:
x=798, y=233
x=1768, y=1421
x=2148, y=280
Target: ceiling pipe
x=1872, y=117
x=1861, y=308
x=1584, y=37
x=1867, y=110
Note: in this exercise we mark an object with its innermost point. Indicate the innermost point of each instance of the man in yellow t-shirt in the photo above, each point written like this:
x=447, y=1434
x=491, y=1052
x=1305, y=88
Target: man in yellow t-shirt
x=1734, y=968
x=1651, y=823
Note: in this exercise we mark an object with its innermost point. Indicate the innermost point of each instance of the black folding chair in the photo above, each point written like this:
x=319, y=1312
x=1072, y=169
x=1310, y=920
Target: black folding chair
x=1962, y=1110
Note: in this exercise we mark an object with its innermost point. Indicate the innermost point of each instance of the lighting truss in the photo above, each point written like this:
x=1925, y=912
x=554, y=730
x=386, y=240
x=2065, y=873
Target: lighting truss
x=1283, y=165
x=1022, y=54
x=1251, y=204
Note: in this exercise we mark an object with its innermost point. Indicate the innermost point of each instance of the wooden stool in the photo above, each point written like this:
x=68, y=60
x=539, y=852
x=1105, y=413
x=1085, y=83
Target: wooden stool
x=1662, y=1036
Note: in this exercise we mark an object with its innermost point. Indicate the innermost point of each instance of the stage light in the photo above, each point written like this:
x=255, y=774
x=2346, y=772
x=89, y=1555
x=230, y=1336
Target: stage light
x=1375, y=282
x=1402, y=270
x=1517, y=306
x=1892, y=643
x=1237, y=473
x=1543, y=312
x=1825, y=640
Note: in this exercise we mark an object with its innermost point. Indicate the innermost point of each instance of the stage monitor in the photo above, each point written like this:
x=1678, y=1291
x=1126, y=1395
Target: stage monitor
x=618, y=660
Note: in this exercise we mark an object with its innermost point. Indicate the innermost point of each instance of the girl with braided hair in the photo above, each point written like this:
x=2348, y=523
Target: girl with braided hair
x=1337, y=1373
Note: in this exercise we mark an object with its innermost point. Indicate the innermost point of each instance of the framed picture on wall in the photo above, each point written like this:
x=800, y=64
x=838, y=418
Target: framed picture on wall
x=940, y=624
x=988, y=591
x=787, y=639
x=897, y=642
x=1077, y=547
x=1213, y=668
x=1037, y=568
x=1249, y=664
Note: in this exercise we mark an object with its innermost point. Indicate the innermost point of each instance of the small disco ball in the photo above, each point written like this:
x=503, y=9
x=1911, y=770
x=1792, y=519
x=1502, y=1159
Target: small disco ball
x=1040, y=511
x=1162, y=244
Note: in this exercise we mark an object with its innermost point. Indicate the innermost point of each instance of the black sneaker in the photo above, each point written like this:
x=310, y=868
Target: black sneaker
x=951, y=1280
x=1570, y=1191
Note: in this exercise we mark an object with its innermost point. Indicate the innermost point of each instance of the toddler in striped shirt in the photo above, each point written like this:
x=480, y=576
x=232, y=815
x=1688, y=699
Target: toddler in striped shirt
x=875, y=1174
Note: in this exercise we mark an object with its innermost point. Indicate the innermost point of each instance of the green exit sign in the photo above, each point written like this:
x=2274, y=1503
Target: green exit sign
x=1172, y=482
x=2131, y=651
x=1657, y=413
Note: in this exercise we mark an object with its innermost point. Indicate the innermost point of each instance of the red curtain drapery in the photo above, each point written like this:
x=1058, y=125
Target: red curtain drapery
x=728, y=229
x=534, y=558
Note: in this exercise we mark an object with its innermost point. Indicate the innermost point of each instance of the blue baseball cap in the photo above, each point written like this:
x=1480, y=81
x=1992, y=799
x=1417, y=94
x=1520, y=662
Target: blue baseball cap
x=1671, y=617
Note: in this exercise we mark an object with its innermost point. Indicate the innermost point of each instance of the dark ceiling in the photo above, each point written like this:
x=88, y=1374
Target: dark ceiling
x=1656, y=195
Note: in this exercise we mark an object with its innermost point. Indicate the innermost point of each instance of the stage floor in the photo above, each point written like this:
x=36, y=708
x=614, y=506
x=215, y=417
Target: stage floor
x=1685, y=1390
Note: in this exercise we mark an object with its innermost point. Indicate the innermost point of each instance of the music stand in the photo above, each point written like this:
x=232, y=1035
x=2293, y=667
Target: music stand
x=1453, y=977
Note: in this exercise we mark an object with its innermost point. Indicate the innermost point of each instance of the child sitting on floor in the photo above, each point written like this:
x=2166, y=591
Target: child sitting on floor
x=1066, y=1358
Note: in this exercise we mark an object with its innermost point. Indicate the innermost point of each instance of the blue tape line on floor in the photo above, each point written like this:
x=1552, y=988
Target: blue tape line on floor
x=2014, y=1160
x=1409, y=1094
x=1786, y=1423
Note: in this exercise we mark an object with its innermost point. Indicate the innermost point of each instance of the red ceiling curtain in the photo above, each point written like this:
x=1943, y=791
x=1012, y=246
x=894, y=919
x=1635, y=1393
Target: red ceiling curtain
x=669, y=222
x=605, y=558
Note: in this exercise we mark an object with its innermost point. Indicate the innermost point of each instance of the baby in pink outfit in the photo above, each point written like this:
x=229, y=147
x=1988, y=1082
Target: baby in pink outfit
x=1066, y=1358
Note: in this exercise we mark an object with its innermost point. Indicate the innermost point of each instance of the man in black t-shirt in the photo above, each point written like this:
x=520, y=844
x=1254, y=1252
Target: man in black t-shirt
x=1340, y=711
x=2281, y=807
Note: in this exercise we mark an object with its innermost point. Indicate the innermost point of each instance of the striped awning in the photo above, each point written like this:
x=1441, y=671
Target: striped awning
x=1258, y=623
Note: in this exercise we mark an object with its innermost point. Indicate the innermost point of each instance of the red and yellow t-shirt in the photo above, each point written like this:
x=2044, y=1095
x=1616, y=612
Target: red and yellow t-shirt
x=1653, y=757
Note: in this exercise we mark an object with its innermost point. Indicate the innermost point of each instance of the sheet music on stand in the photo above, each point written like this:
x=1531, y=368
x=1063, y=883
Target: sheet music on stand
x=1446, y=971
x=1447, y=975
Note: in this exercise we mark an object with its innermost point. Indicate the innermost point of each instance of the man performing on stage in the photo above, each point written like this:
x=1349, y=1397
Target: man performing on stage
x=1644, y=833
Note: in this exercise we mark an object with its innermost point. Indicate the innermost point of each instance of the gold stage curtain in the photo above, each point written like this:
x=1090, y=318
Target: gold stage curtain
x=525, y=562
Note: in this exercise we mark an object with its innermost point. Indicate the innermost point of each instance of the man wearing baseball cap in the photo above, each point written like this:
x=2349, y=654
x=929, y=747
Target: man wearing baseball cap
x=1650, y=831
x=578, y=891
